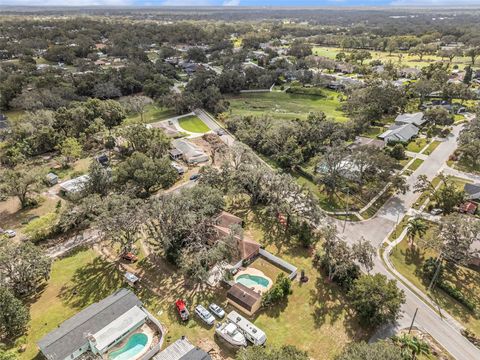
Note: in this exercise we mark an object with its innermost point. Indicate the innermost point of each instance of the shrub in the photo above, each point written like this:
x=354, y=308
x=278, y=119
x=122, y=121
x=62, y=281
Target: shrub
x=278, y=292
x=41, y=228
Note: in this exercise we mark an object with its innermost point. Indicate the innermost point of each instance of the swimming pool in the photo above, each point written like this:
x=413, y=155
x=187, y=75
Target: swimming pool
x=252, y=280
x=134, y=346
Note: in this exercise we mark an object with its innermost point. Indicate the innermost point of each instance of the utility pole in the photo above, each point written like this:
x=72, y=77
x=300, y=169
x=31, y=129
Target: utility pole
x=413, y=320
x=346, y=207
x=437, y=272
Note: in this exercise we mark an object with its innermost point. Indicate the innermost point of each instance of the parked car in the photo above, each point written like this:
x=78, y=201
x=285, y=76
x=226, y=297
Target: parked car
x=436, y=211
x=129, y=256
x=10, y=233
x=216, y=310
x=204, y=315
x=182, y=309
x=195, y=177
x=220, y=132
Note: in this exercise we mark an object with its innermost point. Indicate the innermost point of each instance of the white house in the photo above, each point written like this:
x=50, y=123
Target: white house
x=192, y=154
x=74, y=188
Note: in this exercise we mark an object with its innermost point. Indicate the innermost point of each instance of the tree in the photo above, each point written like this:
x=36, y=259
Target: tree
x=196, y=54
x=152, y=142
x=446, y=196
x=472, y=53
x=179, y=229
x=456, y=238
x=411, y=346
x=398, y=152
x=364, y=252
x=14, y=315
x=121, y=220
x=278, y=292
x=20, y=182
x=439, y=116
x=287, y=352
x=23, y=267
x=300, y=49
x=137, y=104
x=70, y=150
x=416, y=227
x=99, y=179
x=376, y=300
x=469, y=143
x=375, y=351
x=146, y=173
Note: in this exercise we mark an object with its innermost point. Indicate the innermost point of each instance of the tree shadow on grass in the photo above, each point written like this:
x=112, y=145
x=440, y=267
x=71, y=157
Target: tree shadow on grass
x=92, y=283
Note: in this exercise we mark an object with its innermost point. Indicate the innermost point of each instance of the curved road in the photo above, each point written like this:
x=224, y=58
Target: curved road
x=376, y=230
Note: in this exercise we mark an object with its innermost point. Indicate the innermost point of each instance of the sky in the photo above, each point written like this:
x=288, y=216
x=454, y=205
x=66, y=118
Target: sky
x=241, y=2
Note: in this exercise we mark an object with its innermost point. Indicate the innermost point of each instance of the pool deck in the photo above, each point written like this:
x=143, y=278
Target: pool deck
x=252, y=271
x=144, y=329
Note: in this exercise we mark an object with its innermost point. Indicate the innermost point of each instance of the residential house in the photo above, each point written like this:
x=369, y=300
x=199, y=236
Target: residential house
x=247, y=247
x=99, y=328
x=399, y=133
x=191, y=153
x=468, y=207
x=416, y=119
x=472, y=191
x=182, y=349
x=74, y=188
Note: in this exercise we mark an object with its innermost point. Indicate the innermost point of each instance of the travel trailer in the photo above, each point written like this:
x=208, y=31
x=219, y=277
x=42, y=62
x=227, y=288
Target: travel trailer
x=250, y=331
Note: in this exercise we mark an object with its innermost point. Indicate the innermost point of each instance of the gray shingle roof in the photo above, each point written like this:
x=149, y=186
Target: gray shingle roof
x=182, y=349
x=72, y=333
x=415, y=118
x=472, y=190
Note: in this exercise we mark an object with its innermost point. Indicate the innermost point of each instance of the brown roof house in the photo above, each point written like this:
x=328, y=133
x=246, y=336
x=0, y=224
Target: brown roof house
x=244, y=298
x=247, y=247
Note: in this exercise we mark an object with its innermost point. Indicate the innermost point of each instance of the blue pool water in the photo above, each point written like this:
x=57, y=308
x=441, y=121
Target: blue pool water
x=252, y=280
x=134, y=346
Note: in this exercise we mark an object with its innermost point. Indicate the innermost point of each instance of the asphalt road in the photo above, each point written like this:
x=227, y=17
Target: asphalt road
x=444, y=330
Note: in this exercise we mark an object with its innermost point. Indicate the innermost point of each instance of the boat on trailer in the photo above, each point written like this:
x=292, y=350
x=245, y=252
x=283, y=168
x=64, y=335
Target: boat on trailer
x=229, y=332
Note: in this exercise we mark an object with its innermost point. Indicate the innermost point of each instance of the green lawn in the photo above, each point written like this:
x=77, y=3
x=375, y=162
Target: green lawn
x=284, y=106
x=409, y=263
x=416, y=164
x=153, y=113
x=431, y=148
x=373, y=132
x=193, y=124
x=417, y=145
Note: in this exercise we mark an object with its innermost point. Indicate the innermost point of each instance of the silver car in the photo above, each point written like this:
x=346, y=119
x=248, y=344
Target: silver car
x=205, y=315
x=216, y=310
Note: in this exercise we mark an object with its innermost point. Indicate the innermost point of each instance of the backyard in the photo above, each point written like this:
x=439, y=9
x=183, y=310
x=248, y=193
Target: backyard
x=314, y=314
x=281, y=105
x=152, y=113
x=409, y=263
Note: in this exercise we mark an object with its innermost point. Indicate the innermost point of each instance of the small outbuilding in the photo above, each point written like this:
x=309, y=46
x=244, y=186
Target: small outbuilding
x=244, y=298
x=131, y=279
x=51, y=179
x=74, y=188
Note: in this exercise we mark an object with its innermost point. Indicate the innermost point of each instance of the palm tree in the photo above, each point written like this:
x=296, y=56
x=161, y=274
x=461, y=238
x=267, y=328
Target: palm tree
x=416, y=227
x=411, y=346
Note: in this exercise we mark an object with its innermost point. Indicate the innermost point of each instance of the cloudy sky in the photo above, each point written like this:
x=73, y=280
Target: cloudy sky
x=244, y=2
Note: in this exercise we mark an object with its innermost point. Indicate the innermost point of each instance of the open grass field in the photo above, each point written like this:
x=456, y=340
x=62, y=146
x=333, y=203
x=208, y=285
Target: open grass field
x=409, y=263
x=153, y=113
x=193, y=124
x=406, y=59
x=280, y=105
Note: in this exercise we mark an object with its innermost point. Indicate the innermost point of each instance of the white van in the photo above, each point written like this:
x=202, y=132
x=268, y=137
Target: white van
x=250, y=331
